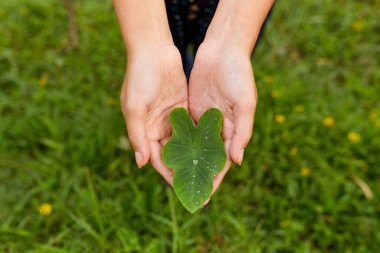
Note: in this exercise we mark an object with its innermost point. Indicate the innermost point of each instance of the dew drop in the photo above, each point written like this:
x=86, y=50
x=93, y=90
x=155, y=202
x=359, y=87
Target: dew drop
x=195, y=162
x=197, y=203
x=193, y=176
x=206, y=138
x=198, y=192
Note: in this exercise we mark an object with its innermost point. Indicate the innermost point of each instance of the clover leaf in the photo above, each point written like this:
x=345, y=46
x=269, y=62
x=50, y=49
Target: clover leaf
x=195, y=154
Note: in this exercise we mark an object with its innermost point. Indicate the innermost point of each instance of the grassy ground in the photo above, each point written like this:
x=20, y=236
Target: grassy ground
x=310, y=180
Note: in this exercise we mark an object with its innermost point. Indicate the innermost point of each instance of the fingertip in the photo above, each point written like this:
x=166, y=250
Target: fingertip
x=219, y=177
x=138, y=158
x=141, y=158
x=241, y=155
x=237, y=155
x=158, y=164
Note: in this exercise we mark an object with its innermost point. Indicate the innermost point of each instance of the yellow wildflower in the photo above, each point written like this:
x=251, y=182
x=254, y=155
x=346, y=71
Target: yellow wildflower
x=305, y=171
x=354, y=137
x=364, y=167
x=110, y=101
x=279, y=118
x=372, y=115
x=357, y=26
x=275, y=94
x=322, y=61
x=284, y=224
x=45, y=209
x=24, y=10
x=43, y=80
x=268, y=79
x=299, y=108
x=293, y=151
x=328, y=121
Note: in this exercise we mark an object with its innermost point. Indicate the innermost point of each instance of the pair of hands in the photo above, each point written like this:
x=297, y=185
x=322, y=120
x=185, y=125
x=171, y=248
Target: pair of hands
x=155, y=83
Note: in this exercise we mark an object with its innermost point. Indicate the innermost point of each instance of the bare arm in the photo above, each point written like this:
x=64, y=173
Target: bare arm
x=238, y=23
x=154, y=82
x=142, y=23
x=222, y=75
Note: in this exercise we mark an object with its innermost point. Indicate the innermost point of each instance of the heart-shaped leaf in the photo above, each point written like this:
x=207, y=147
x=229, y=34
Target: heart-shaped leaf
x=195, y=154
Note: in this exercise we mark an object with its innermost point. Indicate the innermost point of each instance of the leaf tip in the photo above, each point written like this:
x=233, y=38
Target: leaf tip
x=192, y=210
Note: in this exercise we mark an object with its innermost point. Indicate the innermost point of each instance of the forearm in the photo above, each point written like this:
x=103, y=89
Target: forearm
x=238, y=23
x=142, y=22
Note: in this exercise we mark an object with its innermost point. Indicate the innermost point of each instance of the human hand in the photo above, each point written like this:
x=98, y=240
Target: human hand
x=154, y=84
x=222, y=77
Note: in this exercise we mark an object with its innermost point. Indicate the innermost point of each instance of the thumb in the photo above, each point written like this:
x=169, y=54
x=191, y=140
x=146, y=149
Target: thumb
x=135, y=120
x=243, y=127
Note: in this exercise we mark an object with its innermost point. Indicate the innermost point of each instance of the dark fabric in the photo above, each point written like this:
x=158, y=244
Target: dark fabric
x=188, y=21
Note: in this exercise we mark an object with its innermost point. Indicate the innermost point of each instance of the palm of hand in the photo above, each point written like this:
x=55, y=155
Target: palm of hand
x=151, y=89
x=226, y=83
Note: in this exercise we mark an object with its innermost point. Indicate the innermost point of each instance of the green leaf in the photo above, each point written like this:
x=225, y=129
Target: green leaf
x=195, y=154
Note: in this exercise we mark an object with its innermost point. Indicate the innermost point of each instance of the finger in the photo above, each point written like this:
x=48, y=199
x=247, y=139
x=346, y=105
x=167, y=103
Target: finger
x=164, y=141
x=219, y=177
x=135, y=120
x=157, y=162
x=242, y=133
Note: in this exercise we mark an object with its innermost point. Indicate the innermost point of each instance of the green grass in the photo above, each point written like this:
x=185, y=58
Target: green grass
x=62, y=140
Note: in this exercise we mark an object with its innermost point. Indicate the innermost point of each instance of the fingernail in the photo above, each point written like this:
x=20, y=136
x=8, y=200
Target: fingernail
x=138, y=158
x=241, y=155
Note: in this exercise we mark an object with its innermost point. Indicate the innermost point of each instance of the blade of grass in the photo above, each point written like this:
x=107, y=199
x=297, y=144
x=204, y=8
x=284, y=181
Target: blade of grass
x=174, y=222
x=82, y=223
x=48, y=249
x=95, y=203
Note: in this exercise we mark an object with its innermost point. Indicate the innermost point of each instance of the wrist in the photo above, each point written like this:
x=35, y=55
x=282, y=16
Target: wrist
x=162, y=55
x=217, y=51
x=227, y=35
x=237, y=24
x=143, y=24
x=152, y=47
x=153, y=36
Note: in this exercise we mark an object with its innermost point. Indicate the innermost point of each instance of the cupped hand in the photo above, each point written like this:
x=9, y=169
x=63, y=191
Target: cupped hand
x=154, y=84
x=222, y=77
